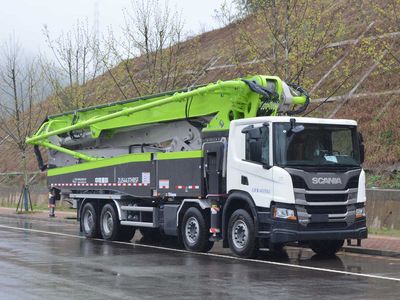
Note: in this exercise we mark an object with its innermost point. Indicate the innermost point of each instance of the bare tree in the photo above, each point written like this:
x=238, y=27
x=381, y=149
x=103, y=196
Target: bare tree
x=21, y=89
x=152, y=51
x=76, y=61
x=146, y=59
x=156, y=35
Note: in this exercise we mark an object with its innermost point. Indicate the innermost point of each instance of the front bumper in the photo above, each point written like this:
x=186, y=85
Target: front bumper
x=285, y=231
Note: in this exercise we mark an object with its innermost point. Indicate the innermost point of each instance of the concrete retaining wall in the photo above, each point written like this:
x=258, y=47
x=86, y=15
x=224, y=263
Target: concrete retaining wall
x=383, y=206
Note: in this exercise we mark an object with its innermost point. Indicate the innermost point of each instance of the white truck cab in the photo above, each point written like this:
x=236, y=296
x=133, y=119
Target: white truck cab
x=303, y=176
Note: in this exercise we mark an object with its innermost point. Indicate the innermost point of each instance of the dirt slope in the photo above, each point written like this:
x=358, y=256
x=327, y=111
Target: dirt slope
x=378, y=115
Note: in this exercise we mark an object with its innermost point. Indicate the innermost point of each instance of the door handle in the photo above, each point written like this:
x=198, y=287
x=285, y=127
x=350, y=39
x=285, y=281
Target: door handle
x=244, y=180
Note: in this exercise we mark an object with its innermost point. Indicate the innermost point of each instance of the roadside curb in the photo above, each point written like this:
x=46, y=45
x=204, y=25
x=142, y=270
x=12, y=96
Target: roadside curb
x=360, y=250
x=29, y=217
x=369, y=251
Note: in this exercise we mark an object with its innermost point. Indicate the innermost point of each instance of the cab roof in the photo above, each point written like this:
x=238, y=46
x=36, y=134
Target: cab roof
x=286, y=119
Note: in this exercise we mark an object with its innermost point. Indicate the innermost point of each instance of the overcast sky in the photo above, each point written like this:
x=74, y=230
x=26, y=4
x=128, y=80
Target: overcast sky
x=25, y=18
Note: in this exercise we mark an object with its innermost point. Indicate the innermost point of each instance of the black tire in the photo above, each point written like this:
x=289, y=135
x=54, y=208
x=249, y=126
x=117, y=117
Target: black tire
x=126, y=233
x=194, y=230
x=109, y=223
x=326, y=247
x=90, y=221
x=242, y=234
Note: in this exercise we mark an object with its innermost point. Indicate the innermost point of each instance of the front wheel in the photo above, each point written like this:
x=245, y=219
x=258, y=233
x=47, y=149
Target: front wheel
x=195, y=234
x=242, y=235
x=326, y=248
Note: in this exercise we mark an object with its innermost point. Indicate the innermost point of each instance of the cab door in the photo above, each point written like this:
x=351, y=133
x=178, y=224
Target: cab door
x=253, y=172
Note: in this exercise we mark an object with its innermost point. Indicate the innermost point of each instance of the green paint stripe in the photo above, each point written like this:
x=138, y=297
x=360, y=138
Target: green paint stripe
x=107, y=162
x=114, y=161
x=179, y=155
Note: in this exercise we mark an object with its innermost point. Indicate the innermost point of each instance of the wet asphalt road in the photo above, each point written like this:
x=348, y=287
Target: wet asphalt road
x=48, y=260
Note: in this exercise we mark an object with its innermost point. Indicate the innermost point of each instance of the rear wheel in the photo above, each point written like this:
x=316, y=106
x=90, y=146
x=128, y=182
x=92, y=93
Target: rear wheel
x=89, y=221
x=195, y=234
x=242, y=235
x=109, y=223
x=326, y=247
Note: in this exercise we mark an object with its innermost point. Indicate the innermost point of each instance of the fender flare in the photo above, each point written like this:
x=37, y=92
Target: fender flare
x=82, y=204
x=243, y=196
x=203, y=204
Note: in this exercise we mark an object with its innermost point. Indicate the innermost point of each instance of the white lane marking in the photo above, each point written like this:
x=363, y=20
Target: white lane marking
x=211, y=254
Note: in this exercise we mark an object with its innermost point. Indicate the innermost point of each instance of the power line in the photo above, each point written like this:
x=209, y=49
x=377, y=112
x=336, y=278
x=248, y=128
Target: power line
x=333, y=93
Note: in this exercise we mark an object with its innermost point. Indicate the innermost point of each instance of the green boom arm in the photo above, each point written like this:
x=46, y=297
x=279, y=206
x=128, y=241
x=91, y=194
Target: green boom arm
x=224, y=100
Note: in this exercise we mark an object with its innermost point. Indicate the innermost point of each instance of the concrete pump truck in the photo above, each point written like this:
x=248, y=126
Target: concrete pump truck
x=209, y=163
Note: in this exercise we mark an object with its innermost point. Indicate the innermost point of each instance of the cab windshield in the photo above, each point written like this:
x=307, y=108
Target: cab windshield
x=318, y=145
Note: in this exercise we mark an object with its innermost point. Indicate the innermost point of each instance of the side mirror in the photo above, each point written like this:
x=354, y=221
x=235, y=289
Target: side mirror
x=298, y=128
x=294, y=128
x=362, y=147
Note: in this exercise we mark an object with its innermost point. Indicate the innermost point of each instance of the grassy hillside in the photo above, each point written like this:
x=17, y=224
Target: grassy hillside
x=226, y=53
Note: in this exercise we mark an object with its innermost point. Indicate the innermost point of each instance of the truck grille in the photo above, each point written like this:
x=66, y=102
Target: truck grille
x=326, y=197
x=331, y=209
x=321, y=207
x=299, y=183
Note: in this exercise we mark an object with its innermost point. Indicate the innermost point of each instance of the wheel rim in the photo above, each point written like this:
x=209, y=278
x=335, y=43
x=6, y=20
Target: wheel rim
x=240, y=234
x=192, y=230
x=88, y=221
x=108, y=223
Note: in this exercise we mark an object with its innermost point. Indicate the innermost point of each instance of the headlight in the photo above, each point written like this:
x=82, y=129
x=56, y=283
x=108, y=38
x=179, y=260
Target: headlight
x=360, y=212
x=284, y=213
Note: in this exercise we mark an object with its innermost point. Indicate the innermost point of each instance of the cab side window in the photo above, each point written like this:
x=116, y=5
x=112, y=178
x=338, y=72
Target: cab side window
x=257, y=145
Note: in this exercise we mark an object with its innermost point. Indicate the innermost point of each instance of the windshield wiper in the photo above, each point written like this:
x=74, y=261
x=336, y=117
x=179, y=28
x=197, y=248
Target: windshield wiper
x=347, y=166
